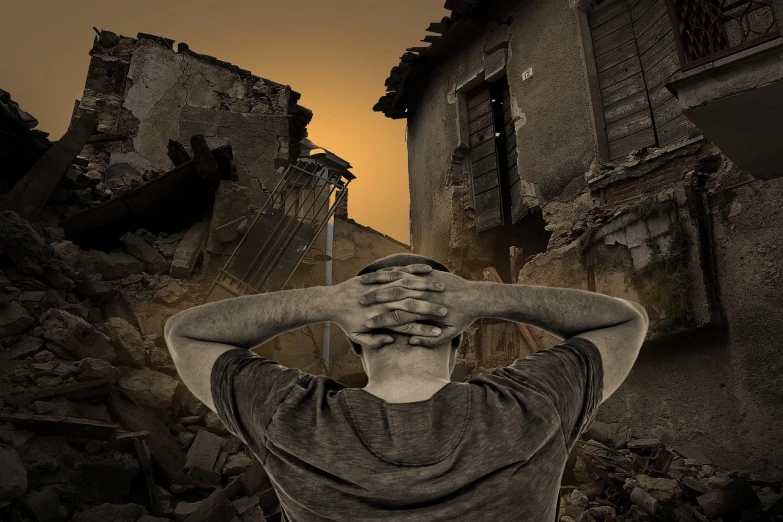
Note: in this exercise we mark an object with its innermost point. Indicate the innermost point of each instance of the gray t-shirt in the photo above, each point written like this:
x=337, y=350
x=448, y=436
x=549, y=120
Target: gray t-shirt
x=493, y=448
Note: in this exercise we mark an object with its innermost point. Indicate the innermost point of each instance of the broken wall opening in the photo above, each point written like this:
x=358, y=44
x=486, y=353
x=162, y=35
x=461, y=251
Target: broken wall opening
x=515, y=244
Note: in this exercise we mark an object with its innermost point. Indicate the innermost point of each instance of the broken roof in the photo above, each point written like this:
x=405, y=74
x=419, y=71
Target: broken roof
x=405, y=78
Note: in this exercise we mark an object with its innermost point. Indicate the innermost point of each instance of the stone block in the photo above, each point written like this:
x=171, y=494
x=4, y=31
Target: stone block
x=136, y=246
x=148, y=387
x=76, y=336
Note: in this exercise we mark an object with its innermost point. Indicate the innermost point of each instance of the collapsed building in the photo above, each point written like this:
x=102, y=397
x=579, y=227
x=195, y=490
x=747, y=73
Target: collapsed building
x=182, y=179
x=623, y=147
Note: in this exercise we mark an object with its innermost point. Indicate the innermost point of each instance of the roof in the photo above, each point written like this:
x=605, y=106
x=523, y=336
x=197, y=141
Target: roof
x=311, y=150
x=405, y=78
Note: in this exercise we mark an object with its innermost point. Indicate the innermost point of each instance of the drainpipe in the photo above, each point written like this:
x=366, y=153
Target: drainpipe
x=328, y=282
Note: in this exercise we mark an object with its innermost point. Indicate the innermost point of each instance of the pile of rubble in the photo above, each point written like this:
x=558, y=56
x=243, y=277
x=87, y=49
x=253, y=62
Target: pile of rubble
x=92, y=414
x=643, y=479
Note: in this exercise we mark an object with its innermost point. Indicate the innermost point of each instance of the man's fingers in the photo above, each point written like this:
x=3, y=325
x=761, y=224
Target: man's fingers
x=389, y=274
x=373, y=340
x=418, y=306
x=393, y=293
x=432, y=341
x=403, y=322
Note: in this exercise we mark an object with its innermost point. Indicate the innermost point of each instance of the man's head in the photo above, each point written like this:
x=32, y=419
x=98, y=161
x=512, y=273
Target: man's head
x=402, y=259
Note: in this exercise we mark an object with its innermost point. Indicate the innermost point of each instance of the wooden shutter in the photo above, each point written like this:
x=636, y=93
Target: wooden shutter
x=660, y=61
x=518, y=207
x=629, y=122
x=483, y=159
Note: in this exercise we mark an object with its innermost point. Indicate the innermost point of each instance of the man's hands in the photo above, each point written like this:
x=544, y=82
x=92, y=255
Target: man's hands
x=402, y=296
x=458, y=296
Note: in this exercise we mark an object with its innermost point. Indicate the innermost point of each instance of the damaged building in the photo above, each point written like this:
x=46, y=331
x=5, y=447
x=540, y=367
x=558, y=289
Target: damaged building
x=182, y=179
x=628, y=147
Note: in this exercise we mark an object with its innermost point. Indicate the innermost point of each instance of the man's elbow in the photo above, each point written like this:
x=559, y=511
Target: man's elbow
x=171, y=332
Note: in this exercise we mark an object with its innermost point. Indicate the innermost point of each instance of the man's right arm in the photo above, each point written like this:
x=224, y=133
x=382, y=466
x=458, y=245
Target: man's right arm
x=617, y=327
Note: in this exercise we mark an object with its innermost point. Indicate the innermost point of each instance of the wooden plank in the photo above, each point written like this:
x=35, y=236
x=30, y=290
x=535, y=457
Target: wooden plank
x=482, y=151
x=659, y=95
x=481, y=136
x=478, y=111
x=658, y=28
x=60, y=425
x=619, y=54
x=666, y=112
x=485, y=182
x=488, y=219
x=166, y=453
x=624, y=146
x=480, y=122
x=619, y=72
x=625, y=107
x=663, y=70
x=674, y=130
x=484, y=165
x=647, y=20
x=629, y=125
x=511, y=143
x=640, y=8
x=78, y=391
x=606, y=11
x=613, y=40
x=612, y=25
x=143, y=452
x=659, y=50
x=488, y=212
x=477, y=96
x=628, y=87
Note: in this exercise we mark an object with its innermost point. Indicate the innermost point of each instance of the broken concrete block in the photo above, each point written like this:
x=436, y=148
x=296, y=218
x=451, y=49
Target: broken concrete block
x=45, y=506
x=185, y=509
x=13, y=479
x=232, y=203
x=144, y=252
x=236, y=464
x=96, y=291
x=75, y=335
x=28, y=251
x=213, y=423
x=171, y=294
x=204, y=450
x=113, y=512
x=93, y=369
x=188, y=250
x=26, y=347
x=256, y=514
x=14, y=319
x=127, y=341
x=31, y=193
x=148, y=387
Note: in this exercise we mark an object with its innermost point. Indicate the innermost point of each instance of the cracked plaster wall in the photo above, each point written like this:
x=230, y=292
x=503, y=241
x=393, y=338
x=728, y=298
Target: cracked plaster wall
x=161, y=83
x=554, y=128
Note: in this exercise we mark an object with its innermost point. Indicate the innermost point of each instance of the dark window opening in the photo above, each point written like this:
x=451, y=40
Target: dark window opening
x=109, y=73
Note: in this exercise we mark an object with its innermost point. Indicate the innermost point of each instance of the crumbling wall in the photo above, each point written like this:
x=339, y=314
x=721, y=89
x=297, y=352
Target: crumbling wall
x=553, y=125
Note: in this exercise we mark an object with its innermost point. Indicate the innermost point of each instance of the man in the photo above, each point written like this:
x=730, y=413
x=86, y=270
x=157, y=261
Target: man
x=412, y=445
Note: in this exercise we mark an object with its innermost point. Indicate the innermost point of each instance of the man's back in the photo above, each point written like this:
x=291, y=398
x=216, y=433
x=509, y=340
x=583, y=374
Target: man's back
x=493, y=448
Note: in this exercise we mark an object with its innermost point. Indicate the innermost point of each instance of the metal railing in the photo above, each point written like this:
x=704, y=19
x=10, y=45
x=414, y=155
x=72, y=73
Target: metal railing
x=706, y=30
x=278, y=238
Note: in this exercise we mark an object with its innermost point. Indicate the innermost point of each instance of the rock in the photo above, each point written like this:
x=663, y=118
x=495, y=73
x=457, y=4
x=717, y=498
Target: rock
x=113, y=513
x=159, y=357
x=188, y=250
x=171, y=294
x=236, y=464
x=663, y=489
x=13, y=479
x=185, y=509
x=190, y=419
x=144, y=252
x=213, y=423
x=44, y=356
x=14, y=319
x=186, y=439
x=575, y=504
x=124, y=183
x=45, y=506
x=127, y=340
x=28, y=251
x=150, y=518
x=26, y=347
x=148, y=387
x=96, y=291
x=256, y=514
x=75, y=335
x=92, y=369
x=67, y=408
x=77, y=310
x=109, y=266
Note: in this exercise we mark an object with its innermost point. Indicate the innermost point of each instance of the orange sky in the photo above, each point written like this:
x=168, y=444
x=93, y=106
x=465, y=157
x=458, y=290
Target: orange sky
x=336, y=53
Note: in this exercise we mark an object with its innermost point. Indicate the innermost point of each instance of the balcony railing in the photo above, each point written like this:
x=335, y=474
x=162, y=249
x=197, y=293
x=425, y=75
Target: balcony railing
x=706, y=30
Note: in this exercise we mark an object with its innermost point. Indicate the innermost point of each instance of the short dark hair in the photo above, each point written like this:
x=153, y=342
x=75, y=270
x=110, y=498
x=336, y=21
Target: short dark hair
x=403, y=259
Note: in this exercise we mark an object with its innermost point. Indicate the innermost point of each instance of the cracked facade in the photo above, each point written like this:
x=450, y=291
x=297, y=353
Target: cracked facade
x=599, y=180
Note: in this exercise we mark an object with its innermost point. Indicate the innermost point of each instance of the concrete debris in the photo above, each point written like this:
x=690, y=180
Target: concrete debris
x=647, y=480
x=65, y=332
x=148, y=387
x=127, y=340
x=144, y=252
x=13, y=479
x=93, y=369
x=113, y=512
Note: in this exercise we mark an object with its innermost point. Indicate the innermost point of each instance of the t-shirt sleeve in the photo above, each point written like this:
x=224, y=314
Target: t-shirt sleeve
x=570, y=375
x=247, y=389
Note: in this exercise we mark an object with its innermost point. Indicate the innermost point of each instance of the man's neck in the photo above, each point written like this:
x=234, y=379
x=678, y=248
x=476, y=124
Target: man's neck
x=407, y=374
